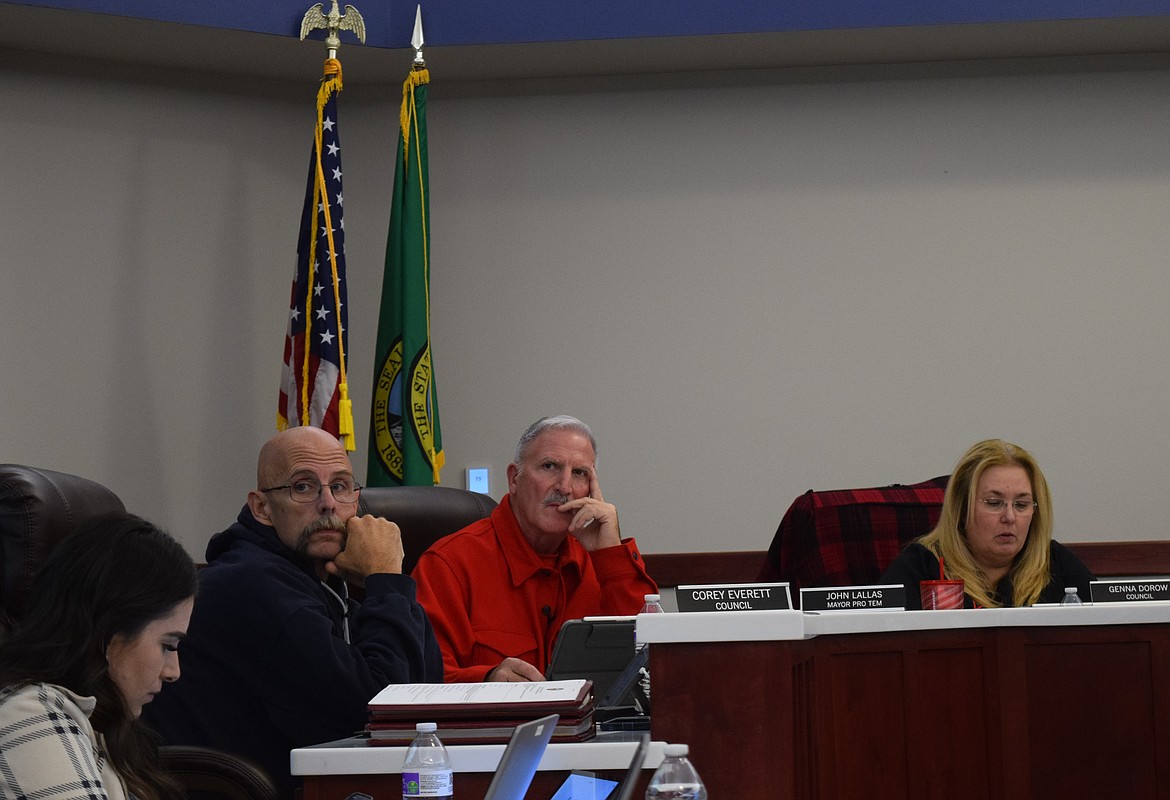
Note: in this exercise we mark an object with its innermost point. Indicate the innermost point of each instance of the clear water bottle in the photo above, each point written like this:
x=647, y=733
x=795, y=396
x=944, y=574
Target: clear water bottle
x=426, y=772
x=676, y=778
x=1071, y=598
x=651, y=605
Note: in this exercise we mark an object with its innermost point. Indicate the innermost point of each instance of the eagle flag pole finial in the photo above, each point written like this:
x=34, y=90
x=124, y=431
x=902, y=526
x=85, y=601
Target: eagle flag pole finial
x=332, y=23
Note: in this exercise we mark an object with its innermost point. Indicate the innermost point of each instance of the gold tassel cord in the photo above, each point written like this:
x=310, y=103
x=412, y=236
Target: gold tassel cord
x=417, y=77
x=331, y=82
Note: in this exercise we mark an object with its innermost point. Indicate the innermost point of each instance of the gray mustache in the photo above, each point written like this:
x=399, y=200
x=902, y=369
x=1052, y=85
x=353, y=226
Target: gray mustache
x=556, y=498
x=329, y=522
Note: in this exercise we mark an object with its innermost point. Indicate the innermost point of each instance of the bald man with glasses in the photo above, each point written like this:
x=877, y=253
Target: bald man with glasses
x=278, y=655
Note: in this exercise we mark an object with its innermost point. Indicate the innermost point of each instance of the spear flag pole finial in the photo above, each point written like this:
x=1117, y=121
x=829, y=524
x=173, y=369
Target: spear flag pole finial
x=416, y=40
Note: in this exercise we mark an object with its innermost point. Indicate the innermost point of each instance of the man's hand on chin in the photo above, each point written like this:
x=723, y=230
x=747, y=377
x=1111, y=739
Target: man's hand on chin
x=594, y=522
x=373, y=545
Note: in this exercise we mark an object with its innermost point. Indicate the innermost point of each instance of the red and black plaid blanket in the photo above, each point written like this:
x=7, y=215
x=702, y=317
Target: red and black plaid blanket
x=847, y=537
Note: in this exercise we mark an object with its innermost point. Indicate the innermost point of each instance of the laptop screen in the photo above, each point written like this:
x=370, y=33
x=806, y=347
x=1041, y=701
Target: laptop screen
x=579, y=786
x=520, y=759
x=587, y=787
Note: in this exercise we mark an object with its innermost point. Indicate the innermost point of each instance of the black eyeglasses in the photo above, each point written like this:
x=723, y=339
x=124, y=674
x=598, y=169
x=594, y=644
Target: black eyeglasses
x=309, y=491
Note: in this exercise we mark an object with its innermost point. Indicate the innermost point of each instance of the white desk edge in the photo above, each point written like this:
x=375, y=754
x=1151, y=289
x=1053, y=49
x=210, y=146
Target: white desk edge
x=740, y=626
x=345, y=758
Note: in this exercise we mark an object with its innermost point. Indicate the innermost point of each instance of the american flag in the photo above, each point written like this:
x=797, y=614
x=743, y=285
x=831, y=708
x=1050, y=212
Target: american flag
x=313, y=387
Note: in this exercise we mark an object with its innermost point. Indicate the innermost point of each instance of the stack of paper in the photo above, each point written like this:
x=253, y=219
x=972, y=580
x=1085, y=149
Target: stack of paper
x=478, y=713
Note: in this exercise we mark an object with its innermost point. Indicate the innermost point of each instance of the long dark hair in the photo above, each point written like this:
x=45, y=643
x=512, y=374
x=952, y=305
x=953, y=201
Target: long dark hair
x=115, y=575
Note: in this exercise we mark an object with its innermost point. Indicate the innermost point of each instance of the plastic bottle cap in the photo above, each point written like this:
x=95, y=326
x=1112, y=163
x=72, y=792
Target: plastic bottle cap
x=652, y=598
x=426, y=727
x=1070, y=590
x=675, y=750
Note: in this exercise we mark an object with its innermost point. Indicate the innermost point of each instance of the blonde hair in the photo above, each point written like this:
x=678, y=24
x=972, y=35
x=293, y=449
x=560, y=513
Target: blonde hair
x=1030, y=572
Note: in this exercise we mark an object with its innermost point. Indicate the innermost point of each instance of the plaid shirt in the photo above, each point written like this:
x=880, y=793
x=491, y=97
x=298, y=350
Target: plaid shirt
x=848, y=537
x=49, y=749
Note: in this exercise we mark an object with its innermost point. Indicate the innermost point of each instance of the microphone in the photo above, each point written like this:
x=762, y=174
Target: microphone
x=547, y=611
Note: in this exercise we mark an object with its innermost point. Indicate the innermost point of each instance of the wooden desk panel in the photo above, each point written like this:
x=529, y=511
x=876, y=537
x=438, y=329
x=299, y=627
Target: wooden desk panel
x=732, y=704
x=1096, y=707
x=981, y=713
x=897, y=718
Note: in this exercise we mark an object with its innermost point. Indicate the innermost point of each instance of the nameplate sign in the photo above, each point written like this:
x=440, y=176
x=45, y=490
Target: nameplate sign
x=854, y=598
x=1140, y=590
x=734, y=597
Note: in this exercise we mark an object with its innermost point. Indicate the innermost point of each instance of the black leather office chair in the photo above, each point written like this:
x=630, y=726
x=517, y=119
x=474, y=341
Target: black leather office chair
x=39, y=508
x=424, y=514
x=209, y=774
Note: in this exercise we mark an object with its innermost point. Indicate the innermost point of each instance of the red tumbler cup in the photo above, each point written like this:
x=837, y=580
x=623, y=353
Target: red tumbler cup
x=937, y=595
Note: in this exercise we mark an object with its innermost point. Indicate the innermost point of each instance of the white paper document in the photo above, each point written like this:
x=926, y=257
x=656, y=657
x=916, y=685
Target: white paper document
x=432, y=694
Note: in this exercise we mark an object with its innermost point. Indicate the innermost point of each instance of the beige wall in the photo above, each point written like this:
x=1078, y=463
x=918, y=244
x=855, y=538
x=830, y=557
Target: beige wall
x=750, y=285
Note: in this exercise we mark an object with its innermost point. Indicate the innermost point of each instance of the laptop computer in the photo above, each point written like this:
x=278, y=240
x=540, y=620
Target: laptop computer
x=520, y=759
x=580, y=786
x=600, y=650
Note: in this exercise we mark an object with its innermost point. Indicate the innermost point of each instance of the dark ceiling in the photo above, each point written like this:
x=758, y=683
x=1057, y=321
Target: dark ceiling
x=39, y=34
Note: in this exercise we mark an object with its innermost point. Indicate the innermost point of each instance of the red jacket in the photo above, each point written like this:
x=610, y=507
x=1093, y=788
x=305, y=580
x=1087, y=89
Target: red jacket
x=489, y=595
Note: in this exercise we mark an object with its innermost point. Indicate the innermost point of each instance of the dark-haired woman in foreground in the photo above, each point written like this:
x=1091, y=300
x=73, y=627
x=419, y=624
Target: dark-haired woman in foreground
x=100, y=637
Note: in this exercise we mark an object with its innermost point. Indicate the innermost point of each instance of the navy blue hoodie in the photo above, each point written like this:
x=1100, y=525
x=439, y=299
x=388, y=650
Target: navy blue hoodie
x=266, y=667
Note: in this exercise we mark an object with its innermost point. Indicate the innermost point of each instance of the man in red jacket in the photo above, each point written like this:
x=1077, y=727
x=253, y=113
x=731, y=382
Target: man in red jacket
x=498, y=591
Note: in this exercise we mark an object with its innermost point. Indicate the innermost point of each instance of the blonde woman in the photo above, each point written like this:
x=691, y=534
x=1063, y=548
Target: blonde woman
x=995, y=534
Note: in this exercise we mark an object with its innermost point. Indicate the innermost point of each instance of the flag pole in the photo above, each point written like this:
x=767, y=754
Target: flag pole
x=332, y=23
x=406, y=447
x=419, y=72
